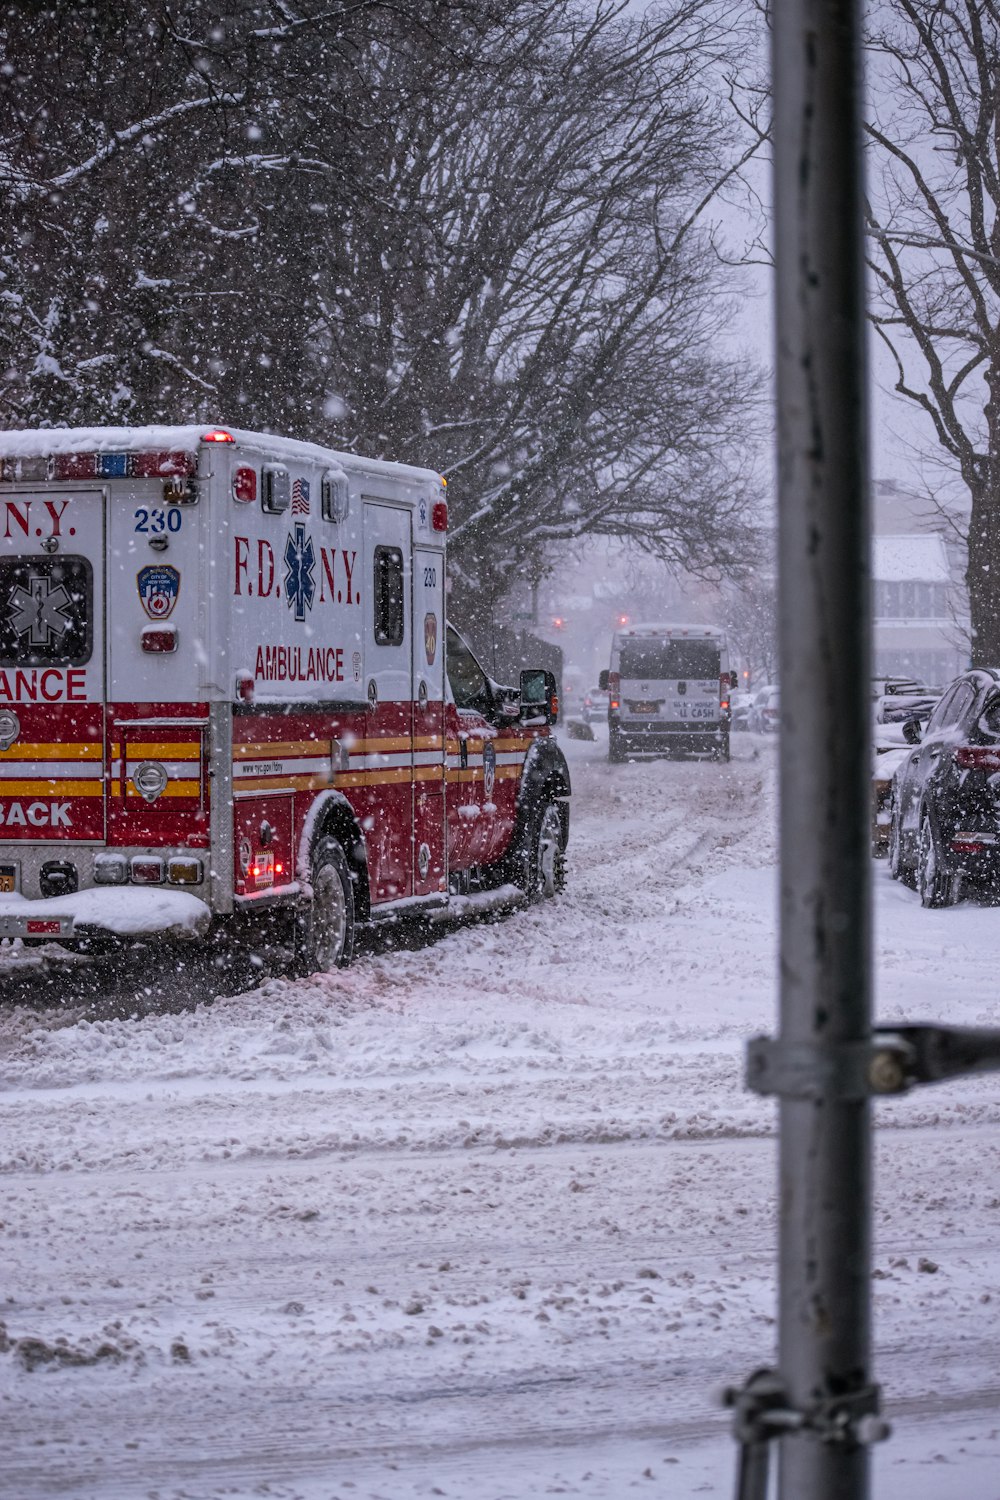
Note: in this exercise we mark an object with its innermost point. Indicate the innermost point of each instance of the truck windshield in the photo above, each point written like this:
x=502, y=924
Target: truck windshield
x=46, y=611
x=669, y=660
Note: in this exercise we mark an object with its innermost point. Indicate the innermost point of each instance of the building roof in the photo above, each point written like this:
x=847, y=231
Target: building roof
x=898, y=559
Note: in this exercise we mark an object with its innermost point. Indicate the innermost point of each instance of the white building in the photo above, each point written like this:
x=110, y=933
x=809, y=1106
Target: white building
x=921, y=623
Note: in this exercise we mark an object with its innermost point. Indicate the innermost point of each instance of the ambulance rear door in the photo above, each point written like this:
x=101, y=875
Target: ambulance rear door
x=52, y=682
x=430, y=875
x=388, y=609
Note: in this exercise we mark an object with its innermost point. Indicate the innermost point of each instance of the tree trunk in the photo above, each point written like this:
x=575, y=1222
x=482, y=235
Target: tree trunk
x=983, y=571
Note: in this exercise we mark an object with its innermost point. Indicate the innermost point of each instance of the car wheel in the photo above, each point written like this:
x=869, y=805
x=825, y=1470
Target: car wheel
x=937, y=885
x=544, y=869
x=897, y=869
x=723, y=751
x=616, y=747
x=326, y=927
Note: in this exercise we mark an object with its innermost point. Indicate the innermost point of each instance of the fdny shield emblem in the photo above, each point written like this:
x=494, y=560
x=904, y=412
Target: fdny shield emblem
x=430, y=637
x=159, y=585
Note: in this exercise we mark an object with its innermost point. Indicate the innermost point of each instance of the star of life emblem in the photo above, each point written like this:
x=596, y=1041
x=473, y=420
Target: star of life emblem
x=300, y=561
x=38, y=611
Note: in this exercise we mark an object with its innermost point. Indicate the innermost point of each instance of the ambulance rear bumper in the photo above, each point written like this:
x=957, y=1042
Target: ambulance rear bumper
x=114, y=913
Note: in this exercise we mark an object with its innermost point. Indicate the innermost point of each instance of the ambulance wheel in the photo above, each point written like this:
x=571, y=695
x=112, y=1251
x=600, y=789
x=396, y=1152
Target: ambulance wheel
x=545, y=870
x=616, y=747
x=326, y=927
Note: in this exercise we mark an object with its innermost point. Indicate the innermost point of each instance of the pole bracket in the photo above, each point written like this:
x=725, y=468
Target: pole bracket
x=762, y=1411
x=894, y=1060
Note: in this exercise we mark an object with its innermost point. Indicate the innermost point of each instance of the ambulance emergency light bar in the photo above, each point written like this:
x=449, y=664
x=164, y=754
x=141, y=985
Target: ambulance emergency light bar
x=67, y=466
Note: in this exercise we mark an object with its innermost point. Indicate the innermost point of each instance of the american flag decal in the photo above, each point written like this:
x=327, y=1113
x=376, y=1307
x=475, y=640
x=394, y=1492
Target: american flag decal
x=300, y=497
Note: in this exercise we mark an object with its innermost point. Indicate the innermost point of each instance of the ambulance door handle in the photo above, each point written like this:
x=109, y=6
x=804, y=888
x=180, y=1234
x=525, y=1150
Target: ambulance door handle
x=463, y=752
x=422, y=696
x=372, y=694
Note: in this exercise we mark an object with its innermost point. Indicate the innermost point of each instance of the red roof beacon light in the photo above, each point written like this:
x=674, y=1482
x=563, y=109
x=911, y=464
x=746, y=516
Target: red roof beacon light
x=217, y=435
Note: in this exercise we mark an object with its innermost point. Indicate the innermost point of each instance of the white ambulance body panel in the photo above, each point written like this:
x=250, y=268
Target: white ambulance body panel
x=223, y=675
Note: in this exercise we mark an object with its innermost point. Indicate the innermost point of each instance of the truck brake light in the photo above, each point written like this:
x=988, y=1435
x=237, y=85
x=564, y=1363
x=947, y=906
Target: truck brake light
x=439, y=516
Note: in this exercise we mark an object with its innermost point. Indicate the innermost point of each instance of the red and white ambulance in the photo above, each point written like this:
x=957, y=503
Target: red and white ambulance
x=227, y=686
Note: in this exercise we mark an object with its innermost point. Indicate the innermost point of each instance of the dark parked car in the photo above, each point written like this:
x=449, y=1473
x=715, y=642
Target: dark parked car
x=944, y=824
x=890, y=749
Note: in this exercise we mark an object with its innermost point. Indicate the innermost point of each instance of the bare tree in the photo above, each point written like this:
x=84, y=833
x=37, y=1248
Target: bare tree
x=934, y=235
x=465, y=233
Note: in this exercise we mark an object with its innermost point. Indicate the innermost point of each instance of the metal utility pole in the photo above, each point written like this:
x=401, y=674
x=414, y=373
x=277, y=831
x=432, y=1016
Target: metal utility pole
x=820, y=1403
x=824, y=1314
x=827, y=1064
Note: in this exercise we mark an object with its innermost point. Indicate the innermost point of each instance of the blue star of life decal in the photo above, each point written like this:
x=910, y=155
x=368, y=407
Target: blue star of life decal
x=300, y=560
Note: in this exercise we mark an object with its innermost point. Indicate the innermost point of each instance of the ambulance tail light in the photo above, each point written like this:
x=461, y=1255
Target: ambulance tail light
x=110, y=869
x=244, y=687
x=159, y=639
x=183, y=871
x=245, y=484
x=147, y=869
x=439, y=515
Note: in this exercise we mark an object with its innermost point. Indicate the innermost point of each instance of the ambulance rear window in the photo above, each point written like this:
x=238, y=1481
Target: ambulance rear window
x=388, y=596
x=46, y=611
x=670, y=660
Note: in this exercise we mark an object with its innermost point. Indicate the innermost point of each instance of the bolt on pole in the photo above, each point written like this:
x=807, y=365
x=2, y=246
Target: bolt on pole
x=824, y=633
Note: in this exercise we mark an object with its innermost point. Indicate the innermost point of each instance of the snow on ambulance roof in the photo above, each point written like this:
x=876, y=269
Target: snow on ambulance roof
x=36, y=442
x=904, y=559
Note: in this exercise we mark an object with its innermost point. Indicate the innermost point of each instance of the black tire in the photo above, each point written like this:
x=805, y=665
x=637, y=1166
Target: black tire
x=616, y=747
x=325, y=928
x=937, y=885
x=723, y=751
x=542, y=872
x=897, y=868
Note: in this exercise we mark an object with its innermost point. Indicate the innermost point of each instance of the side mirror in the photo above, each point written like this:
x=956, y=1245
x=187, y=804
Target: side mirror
x=912, y=731
x=602, y=681
x=539, y=697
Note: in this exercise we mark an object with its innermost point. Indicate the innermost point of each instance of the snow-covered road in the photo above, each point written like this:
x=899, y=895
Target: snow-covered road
x=491, y=1217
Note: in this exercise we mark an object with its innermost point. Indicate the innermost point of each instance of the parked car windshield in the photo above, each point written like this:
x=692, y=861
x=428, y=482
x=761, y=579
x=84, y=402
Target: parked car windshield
x=669, y=659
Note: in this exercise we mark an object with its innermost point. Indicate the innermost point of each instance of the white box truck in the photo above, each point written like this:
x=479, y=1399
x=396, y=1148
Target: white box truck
x=669, y=688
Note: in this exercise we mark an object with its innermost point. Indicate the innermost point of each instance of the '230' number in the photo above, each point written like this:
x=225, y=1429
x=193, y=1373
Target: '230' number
x=155, y=522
